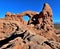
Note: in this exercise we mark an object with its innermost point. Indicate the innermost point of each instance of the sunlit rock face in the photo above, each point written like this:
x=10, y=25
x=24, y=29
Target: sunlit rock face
x=37, y=33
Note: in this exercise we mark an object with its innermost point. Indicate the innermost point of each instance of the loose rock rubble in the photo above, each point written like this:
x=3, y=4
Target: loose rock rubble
x=37, y=33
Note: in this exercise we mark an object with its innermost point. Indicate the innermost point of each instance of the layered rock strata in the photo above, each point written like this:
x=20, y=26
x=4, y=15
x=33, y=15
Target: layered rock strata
x=37, y=33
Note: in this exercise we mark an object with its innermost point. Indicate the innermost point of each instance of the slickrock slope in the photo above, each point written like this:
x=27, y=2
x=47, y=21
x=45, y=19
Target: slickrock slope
x=37, y=33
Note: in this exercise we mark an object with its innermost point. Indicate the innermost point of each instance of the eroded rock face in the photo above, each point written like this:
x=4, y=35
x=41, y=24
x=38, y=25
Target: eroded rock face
x=38, y=33
x=43, y=22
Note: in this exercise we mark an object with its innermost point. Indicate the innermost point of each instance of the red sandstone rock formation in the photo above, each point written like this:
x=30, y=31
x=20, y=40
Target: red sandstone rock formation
x=38, y=33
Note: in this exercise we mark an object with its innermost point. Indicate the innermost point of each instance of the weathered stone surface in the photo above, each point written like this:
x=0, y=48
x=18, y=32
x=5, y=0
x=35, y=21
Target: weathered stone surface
x=37, y=33
x=44, y=23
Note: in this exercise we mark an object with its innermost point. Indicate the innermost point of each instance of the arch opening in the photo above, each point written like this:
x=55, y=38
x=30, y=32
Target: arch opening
x=26, y=18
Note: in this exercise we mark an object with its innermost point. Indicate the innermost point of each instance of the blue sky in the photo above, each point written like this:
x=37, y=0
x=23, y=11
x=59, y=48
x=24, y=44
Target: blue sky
x=18, y=6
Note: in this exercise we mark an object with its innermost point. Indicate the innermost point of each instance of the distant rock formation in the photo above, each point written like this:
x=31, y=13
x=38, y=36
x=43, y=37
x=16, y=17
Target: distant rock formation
x=37, y=33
